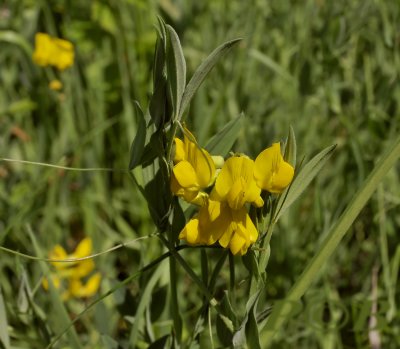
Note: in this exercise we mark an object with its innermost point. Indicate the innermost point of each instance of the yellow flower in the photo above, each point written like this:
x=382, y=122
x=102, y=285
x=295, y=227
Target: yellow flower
x=236, y=185
x=271, y=172
x=216, y=221
x=55, y=85
x=79, y=290
x=53, y=51
x=73, y=272
x=194, y=169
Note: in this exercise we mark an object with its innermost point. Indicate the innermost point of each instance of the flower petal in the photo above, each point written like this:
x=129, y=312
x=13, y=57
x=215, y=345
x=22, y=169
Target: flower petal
x=190, y=232
x=185, y=175
x=235, y=183
x=179, y=150
x=271, y=172
x=237, y=242
x=83, y=249
x=282, y=178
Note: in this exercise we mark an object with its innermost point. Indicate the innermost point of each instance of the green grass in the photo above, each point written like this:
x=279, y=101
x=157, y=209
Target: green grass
x=330, y=69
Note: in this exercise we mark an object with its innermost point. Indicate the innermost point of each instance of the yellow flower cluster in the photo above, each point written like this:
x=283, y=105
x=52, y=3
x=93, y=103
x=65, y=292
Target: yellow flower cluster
x=53, y=51
x=223, y=215
x=74, y=272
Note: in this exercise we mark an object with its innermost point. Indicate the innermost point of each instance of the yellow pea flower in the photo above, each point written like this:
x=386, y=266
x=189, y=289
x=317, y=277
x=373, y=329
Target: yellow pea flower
x=235, y=183
x=73, y=272
x=55, y=85
x=53, y=51
x=78, y=289
x=216, y=221
x=271, y=172
x=194, y=169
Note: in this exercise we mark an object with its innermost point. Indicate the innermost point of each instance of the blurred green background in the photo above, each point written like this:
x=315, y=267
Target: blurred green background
x=330, y=69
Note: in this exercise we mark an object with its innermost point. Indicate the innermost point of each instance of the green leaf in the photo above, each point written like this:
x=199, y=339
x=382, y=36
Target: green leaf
x=222, y=142
x=252, y=333
x=159, y=69
x=301, y=181
x=176, y=69
x=137, y=147
x=159, y=343
x=144, y=302
x=108, y=342
x=311, y=273
x=16, y=39
x=247, y=335
x=226, y=321
x=158, y=106
x=202, y=71
x=290, y=148
x=250, y=262
x=4, y=338
x=275, y=67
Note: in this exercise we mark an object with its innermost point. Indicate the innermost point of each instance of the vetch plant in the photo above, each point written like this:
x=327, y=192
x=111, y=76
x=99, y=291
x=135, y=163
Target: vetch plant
x=214, y=212
x=238, y=200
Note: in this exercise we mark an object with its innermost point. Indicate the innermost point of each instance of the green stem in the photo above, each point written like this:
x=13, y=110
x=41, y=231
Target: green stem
x=203, y=288
x=232, y=279
x=174, y=300
x=263, y=259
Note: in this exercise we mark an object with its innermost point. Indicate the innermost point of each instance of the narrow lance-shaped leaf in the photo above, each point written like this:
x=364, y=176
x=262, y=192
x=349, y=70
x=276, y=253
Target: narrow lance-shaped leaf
x=4, y=338
x=247, y=335
x=302, y=180
x=290, y=148
x=137, y=147
x=226, y=321
x=222, y=142
x=62, y=318
x=202, y=71
x=144, y=302
x=176, y=68
x=16, y=39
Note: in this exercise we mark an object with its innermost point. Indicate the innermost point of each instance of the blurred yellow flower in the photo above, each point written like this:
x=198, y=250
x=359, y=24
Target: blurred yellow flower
x=194, y=169
x=53, y=51
x=55, y=85
x=74, y=272
x=271, y=172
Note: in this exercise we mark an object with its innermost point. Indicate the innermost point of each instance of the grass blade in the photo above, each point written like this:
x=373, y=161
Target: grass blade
x=144, y=303
x=4, y=338
x=58, y=306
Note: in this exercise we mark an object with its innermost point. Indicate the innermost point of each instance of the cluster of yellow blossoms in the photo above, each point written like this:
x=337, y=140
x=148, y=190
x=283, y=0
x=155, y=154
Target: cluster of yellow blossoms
x=53, y=51
x=74, y=272
x=223, y=214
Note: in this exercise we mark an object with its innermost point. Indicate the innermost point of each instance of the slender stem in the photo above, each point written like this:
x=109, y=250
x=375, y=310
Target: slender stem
x=232, y=279
x=203, y=288
x=216, y=270
x=174, y=289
